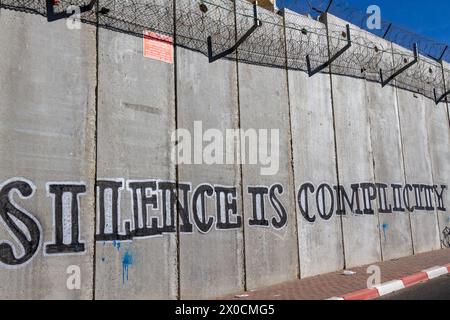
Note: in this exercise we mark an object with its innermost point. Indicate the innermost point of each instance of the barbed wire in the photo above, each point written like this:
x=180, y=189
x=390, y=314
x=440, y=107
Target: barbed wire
x=29, y=6
x=301, y=33
x=388, y=30
x=135, y=16
x=277, y=41
x=266, y=46
x=198, y=20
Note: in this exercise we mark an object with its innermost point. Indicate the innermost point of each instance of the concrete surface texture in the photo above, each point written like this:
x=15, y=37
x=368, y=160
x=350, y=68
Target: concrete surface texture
x=355, y=164
x=47, y=127
x=134, y=92
x=418, y=166
x=439, y=137
x=271, y=251
x=94, y=204
x=211, y=261
x=314, y=155
x=413, y=111
x=446, y=76
x=387, y=151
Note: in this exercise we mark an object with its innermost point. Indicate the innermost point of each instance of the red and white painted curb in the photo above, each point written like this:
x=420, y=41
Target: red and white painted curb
x=395, y=285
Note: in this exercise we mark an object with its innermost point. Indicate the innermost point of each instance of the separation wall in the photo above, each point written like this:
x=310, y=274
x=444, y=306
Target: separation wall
x=355, y=162
x=136, y=118
x=413, y=111
x=47, y=158
x=439, y=137
x=314, y=155
x=211, y=257
x=362, y=173
x=269, y=205
x=394, y=220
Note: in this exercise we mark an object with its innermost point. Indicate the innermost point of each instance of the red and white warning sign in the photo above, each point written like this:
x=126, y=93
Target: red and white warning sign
x=158, y=47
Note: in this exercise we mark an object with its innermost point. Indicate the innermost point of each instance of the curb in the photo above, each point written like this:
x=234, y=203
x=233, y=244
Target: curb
x=395, y=285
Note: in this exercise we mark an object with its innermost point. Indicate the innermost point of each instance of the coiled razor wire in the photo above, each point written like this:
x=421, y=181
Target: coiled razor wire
x=135, y=16
x=276, y=42
x=301, y=32
x=29, y=6
x=198, y=20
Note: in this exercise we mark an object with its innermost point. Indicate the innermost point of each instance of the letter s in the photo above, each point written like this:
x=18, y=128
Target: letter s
x=8, y=210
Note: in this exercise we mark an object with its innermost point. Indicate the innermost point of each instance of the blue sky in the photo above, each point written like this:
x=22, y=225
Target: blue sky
x=429, y=18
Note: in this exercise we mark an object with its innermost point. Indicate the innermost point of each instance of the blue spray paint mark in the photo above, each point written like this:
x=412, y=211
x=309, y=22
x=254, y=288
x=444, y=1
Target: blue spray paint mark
x=127, y=261
x=103, y=259
x=116, y=244
x=385, y=226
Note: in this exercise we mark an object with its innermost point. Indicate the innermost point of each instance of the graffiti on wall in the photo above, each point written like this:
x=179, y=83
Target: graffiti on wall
x=446, y=237
x=155, y=203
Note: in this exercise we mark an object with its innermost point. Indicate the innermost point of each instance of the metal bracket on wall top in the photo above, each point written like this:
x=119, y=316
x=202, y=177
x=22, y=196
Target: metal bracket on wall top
x=256, y=24
x=397, y=73
x=312, y=72
x=53, y=16
x=441, y=98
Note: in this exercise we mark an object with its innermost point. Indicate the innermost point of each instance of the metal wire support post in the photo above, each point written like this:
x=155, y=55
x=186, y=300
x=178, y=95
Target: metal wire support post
x=53, y=16
x=441, y=98
x=256, y=23
x=312, y=72
x=406, y=67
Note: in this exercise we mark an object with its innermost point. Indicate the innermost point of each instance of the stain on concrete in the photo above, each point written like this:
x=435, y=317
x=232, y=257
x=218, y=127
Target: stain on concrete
x=127, y=261
x=385, y=227
x=116, y=245
x=141, y=108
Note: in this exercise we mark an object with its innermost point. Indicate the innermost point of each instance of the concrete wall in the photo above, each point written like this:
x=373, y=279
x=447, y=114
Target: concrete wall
x=439, y=140
x=355, y=159
x=414, y=109
x=270, y=240
x=136, y=111
x=211, y=261
x=314, y=155
x=47, y=125
x=439, y=137
x=166, y=229
x=387, y=151
x=446, y=76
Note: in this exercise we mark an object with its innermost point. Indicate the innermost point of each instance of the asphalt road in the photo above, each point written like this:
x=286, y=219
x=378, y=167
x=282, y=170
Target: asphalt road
x=436, y=289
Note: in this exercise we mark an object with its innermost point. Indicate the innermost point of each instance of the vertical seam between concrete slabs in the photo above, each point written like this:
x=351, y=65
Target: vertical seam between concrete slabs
x=177, y=178
x=397, y=110
x=436, y=211
x=427, y=120
x=243, y=252
x=335, y=144
x=294, y=189
x=403, y=152
x=94, y=270
x=445, y=90
x=441, y=243
x=374, y=174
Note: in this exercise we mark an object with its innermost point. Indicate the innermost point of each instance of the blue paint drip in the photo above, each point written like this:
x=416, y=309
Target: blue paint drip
x=116, y=244
x=127, y=261
x=385, y=226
